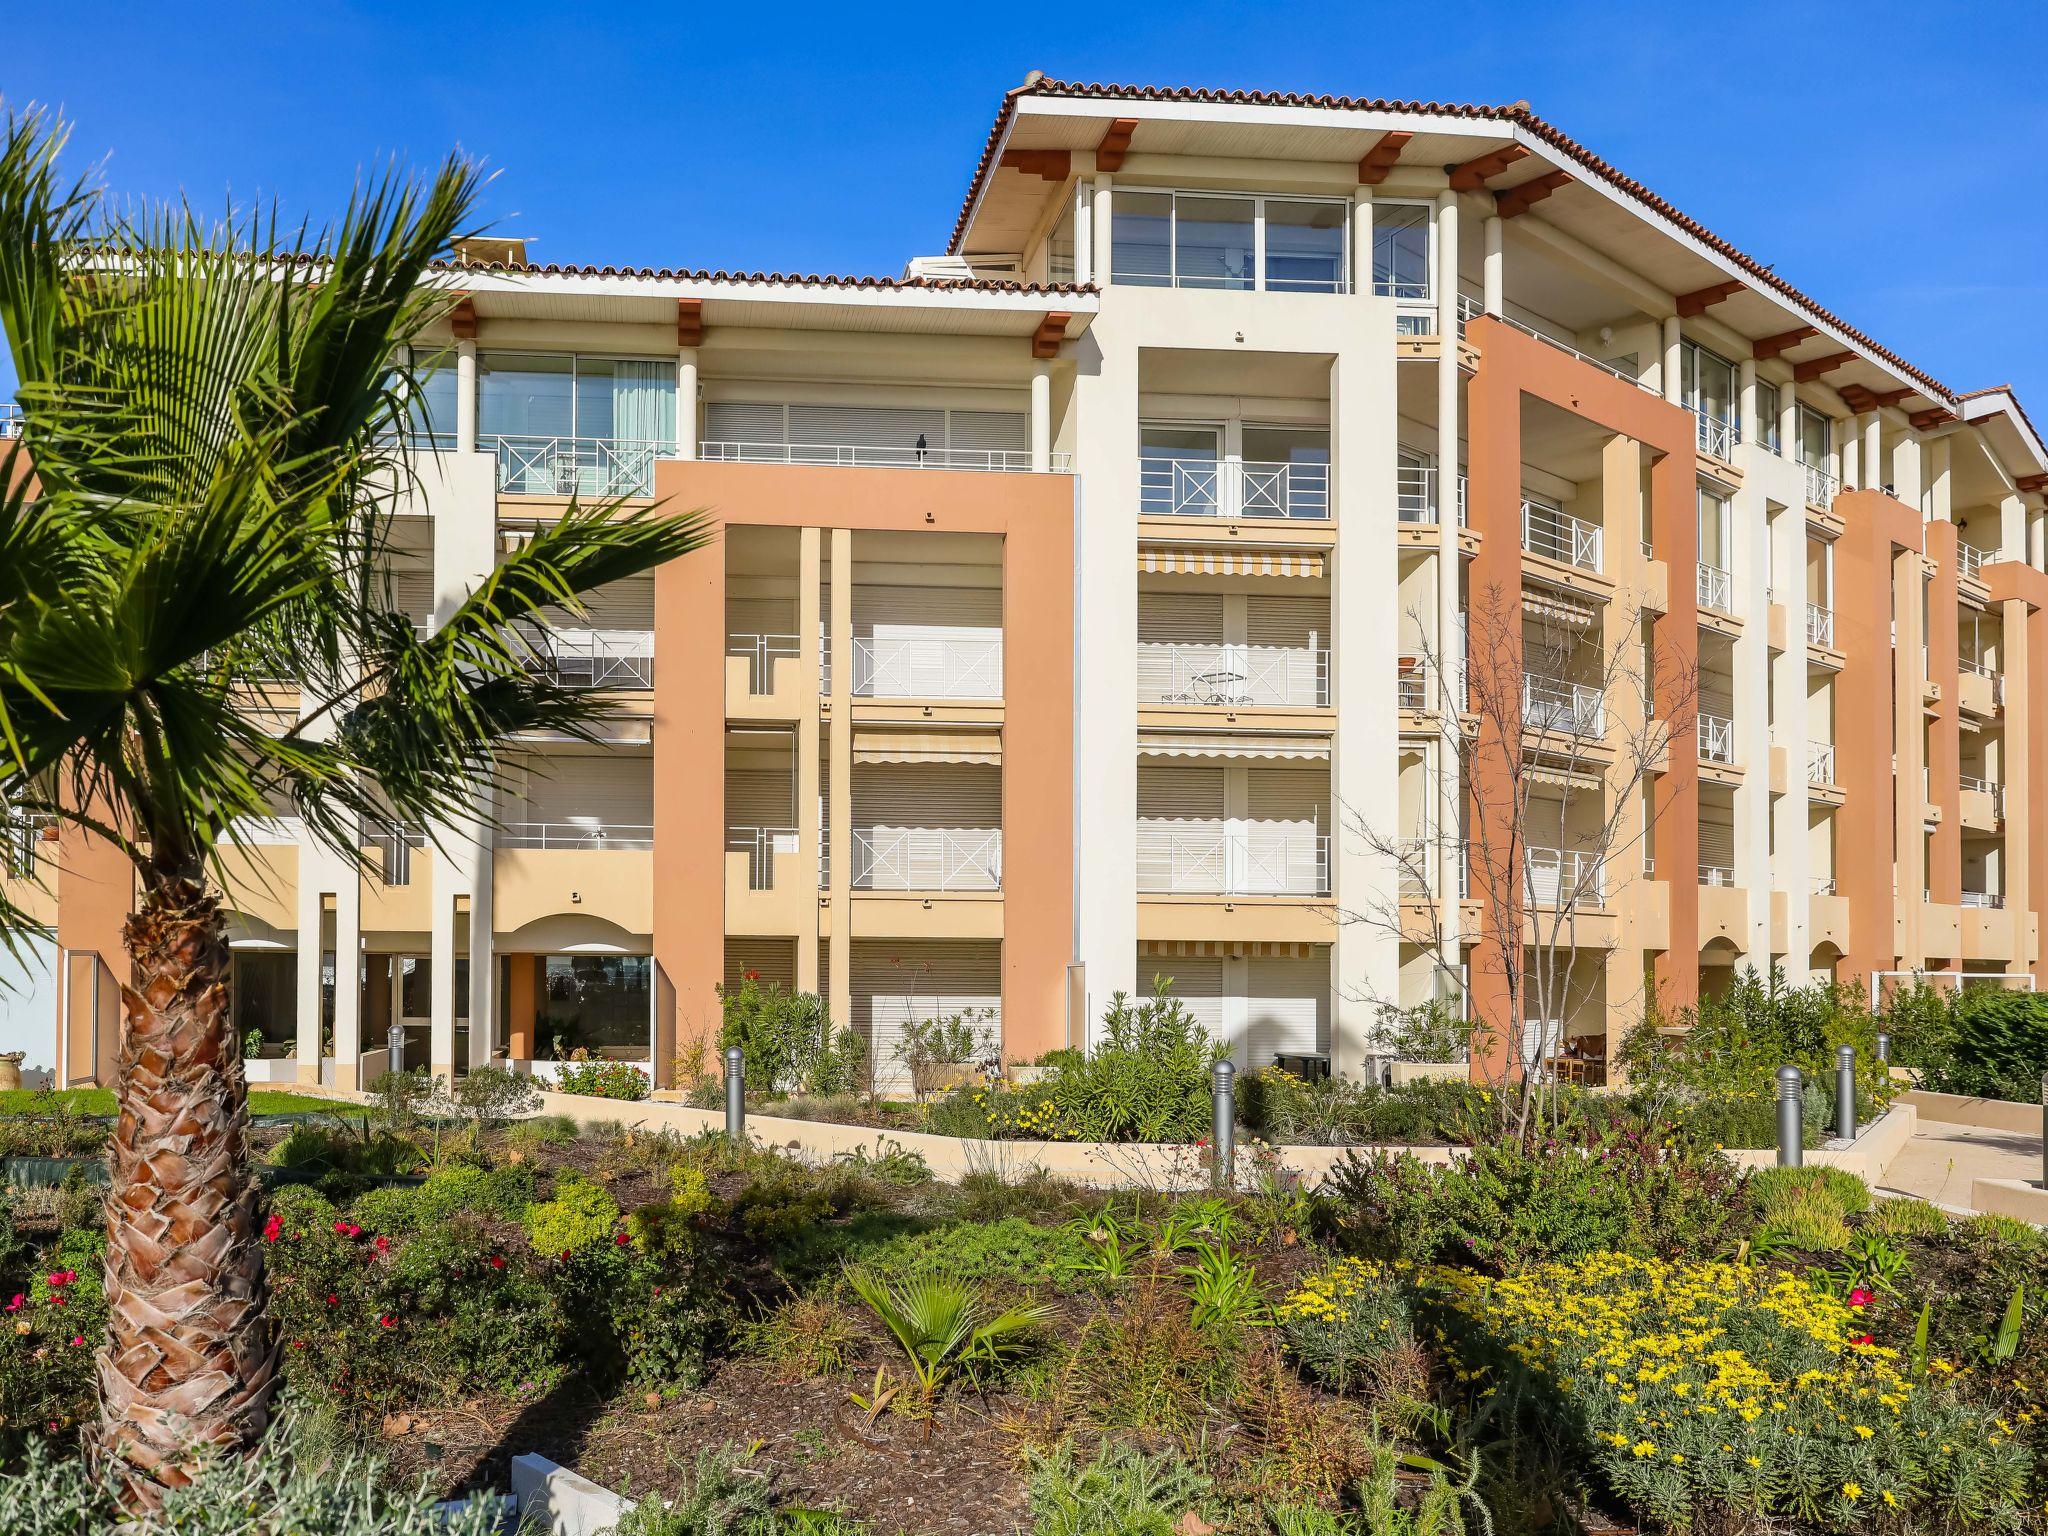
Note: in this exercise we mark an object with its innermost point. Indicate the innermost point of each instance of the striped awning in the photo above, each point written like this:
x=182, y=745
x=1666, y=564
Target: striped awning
x=927, y=747
x=1199, y=949
x=1540, y=603
x=1560, y=779
x=1216, y=744
x=1207, y=560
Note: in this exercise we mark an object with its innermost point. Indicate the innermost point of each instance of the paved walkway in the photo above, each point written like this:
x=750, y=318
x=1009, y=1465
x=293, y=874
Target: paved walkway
x=1941, y=1160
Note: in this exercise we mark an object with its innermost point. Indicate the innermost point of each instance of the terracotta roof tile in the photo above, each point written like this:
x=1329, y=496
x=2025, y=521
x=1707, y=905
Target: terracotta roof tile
x=791, y=279
x=1515, y=114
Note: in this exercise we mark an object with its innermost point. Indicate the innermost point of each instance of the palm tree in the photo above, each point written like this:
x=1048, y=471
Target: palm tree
x=213, y=441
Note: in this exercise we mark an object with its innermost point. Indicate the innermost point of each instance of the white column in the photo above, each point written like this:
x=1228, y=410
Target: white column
x=1496, y=264
x=1102, y=244
x=1753, y=687
x=1940, y=486
x=1672, y=338
x=1745, y=375
x=1874, y=468
x=1788, y=419
x=1361, y=240
x=1790, y=871
x=465, y=397
x=2012, y=527
x=1849, y=447
x=686, y=402
x=2037, y=542
x=1084, y=232
x=1446, y=815
x=1041, y=416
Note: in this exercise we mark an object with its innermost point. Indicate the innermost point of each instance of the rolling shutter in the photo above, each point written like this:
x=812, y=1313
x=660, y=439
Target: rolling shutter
x=1197, y=982
x=1290, y=622
x=1180, y=638
x=1181, y=796
x=989, y=431
x=773, y=960
x=614, y=789
x=1717, y=835
x=1287, y=1009
x=744, y=421
x=893, y=983
x=865, y=426
x=760, y=797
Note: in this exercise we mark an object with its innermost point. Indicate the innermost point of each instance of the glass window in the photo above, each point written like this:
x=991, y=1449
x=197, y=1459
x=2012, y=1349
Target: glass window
x=522, y=395
x=1215, y=242
x=1059, y=250
x=1714, y=531
x=600, y=398
x=1816, y=437
x=1305, y=246
x=1708, y=384
x=1141, y=238
x=266, y=997
x=1177, y=469
x=602, y=1004
x=1400, y=251
x=430, y=406
x=1768, y=406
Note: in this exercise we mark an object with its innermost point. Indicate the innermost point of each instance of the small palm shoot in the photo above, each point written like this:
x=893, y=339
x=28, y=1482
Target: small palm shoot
x=940, y=1327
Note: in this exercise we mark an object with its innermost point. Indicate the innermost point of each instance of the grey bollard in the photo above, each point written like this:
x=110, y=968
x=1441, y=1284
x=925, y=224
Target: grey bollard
x=1884, y=1049
x=1845, y=1093
x=2044, y=1130
x=1791, y=1118
x=735, y=1093
x=1224, y=1127
x=394, y=1047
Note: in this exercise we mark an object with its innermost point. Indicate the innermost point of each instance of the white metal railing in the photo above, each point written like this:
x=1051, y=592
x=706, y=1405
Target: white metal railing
x=1415, y=494
x=1715, y=588
x=1983, y=899
x=1820, y=625
x=1564, y=877
x=762, y=652
x=266, y=831
x=921, y=668
x=1717, y=874
x=1717, y=739
x=1985, y=787
x=1551, y=704
x=10, y=420
x=1978, y=665
x=1716, y=437
x=1556, y=535
x=1820, y=486
x=394, y=843
x=575, y=832
x=760, y=845
x=1287, y=677
x=576, y=466
x=1418, y=860
x=928, y=859
x=1971, y=560
x=1411, y=683
x=1823, y=885
x=1584, y=357
x=1257, y=861
x=1469, y=308
x=1820, y=762
x=1191, y=487
x=869, y=456
x=599, y=658
x=21, y=845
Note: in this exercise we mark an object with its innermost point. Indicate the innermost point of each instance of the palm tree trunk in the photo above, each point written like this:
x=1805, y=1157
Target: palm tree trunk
x=190, y=1363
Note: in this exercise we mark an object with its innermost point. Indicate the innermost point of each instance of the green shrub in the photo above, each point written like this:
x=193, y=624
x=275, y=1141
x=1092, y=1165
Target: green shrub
x=782, y=1033
x=356, y=1150
x=1909, y=1218
x=1996, y=1046
x=580, y=1216
x=393, y=1210
x=808, y=1334
x=1146, y=1080
x=1010, y=1249
x=1774, y=1189
x=780, y=1205
x=53, y=1317
x=541, y=1131
x=502, y=1192
x=604, y=1080
x=1350, y=1325
x=721, y=1496
x=1120, y=1491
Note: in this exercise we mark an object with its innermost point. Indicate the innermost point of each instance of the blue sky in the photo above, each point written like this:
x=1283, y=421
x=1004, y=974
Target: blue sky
x=1887, y=158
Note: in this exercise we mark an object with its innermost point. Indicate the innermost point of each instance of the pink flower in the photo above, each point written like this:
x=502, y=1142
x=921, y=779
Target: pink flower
x=60, y=1278
x=1860, y=1297
x=15, y=1304
x=333, y=1300
x=76, y=1340
x=272, y=1230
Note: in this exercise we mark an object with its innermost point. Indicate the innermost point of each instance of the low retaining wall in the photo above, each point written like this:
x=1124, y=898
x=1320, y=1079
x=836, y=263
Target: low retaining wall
x=553, y=1499
x=1985, y=1114
x=1868, y=1156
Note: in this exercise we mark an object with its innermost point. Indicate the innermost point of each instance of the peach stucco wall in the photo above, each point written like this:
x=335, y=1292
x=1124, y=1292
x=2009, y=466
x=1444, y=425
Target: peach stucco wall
x=1034, y=516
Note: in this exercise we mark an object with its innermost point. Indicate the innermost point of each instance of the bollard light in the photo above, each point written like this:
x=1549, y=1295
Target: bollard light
x=1845, y=1093
x=1224, y=1126
x=735, y=1093
x=1791, y=1118
x=1884, y=1049
x=394, y=1047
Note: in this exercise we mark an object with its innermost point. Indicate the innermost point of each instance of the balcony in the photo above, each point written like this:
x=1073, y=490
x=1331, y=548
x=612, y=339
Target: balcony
x=1993, y=798
x=1714, y=588
x=922, y=668
x=868, y=456
x=598, y=658
x=1229, y=676
x=575, y=466
x=1719, y=876
x=1983, y=899
x=1716, y=740
x=1821, y=486
x=1820, y=762
x=1415, y=499
x=395, y=843
x=1971, y=560
x=1556, y=535
x=1175, y=486
x=580, y=832
x=10, y=420
x=1820, y=626
x=1279, y=861
x=1716, y=437
x=928, y=859
x=1415, y=860
x=1551, y=704
x=761, y=652
x=1564, y=877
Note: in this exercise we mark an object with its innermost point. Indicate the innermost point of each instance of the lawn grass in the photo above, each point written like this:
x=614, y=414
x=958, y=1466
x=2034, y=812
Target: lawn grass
x=100, y=1101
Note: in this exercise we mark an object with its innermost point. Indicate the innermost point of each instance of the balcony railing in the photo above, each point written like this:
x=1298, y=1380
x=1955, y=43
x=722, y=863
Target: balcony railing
x=928, y=859
x=928, y=668
x=1281, y=861
x=1285, y=677
x=1823, y=885
x=1191, y=487
x=1551, y=704
x=576, y=466
x=1585, y=357
x=1717, y=739
x=599, y=658
x=760, y=845
x=1974, y=785
x=1717, y=437
x=575, y=832
x=10, y=420
x=1416, y=860
x=1714, y=588
x=1557, y=535
x=762, y=652
x=24, y=842
x=1981, y=665
x=394, y=843
x=1564, y=877
x=1992, y=899
x=1820, y=625
x=1720, y=875
x=867, y=456
x=1820, y=486
x=1970, y=560
x=1820, y=762
x=1415, y=494
x=266, y=831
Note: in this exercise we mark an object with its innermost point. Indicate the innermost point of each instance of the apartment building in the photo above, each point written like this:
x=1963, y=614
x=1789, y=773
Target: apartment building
x=1261, y=501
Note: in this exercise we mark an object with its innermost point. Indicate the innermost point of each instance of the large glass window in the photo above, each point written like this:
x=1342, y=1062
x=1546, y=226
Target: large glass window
x=266, y=999
x=602, y=1004
x=1715, y=532
x=1207, y=240
x=532, y=395
x=1769, y=431
x=1401, y=266
x=430, y=406
x=1708, y=384
x=1816, y=438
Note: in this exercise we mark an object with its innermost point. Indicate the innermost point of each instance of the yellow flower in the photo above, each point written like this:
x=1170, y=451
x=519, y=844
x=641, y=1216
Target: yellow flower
x=1851, y=1492
x=1644, y=1448
x=1864, y=1431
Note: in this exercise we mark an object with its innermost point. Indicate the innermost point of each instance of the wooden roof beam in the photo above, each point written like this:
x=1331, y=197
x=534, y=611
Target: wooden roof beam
x=1700, y=299
x=1517, y=201
x=1052, y=330
x=689, y=322
x=1767, y=347
x=1116, y=143
x=1382, y=158
x=1054, y=165
x=462, y=318
x=1928, y=420
x=1814, y=367
x=1471, y=176
x=2032, y=483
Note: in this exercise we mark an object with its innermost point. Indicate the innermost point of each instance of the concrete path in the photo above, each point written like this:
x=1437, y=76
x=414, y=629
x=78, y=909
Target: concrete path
x=1942, y=1160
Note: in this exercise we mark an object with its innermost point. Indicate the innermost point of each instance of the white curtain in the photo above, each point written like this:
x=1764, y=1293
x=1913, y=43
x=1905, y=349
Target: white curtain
x=644, y=403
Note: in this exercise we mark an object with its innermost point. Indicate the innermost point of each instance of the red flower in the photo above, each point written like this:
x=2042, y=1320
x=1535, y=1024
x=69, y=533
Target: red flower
x=1860, y=1297
x=15, y=1305
x=56, y=1301
x=333, y=1300
x=751, y=975
x=272, y=1230
x=623, y=1240
x=1859, y=1338
x=383, y=1245
x=565, y=1255
x=60, y=1278
x=77, y=1339
x=497, y=1261
x=386, y=1322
